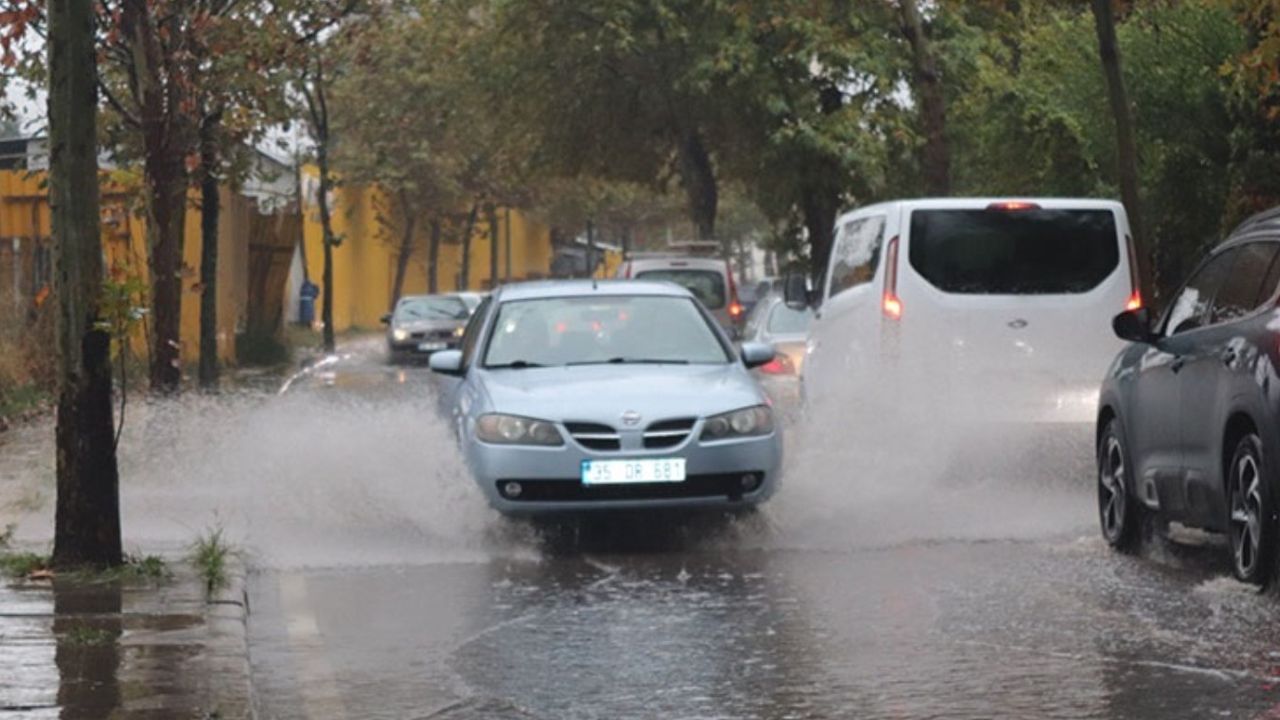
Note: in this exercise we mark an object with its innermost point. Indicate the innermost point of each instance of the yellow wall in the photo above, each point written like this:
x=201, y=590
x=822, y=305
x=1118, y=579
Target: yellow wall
x=364, y=264
x=24, y=212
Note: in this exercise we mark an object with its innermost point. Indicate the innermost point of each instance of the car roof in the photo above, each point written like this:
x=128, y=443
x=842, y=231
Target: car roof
x=973, y=203
x=678, y=261
x=538, y=289
x=1265, y=223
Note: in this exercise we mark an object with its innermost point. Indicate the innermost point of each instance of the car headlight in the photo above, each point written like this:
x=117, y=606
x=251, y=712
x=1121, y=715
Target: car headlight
x=746, y=422
x=400, y=334
x=514, y=430
x=459, y=332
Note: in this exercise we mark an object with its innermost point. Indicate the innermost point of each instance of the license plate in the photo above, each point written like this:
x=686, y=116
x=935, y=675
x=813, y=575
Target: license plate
x=623, y=472
x=430, y=346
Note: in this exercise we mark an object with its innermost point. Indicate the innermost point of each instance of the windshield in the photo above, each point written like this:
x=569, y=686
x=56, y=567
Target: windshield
x=436, y=307
x=787, y=321
x=706, y=285
x=589, y=330
x=1024, y=252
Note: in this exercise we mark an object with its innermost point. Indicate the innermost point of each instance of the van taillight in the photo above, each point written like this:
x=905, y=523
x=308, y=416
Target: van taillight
x=1013, y=205
x=628, y=273
x=1135, y=286
x=892, y=304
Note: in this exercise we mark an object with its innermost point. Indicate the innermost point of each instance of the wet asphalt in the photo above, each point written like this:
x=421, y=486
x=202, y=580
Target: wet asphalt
x=756, y=616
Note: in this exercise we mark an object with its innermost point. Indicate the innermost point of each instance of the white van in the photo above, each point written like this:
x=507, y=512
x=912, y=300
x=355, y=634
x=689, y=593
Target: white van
x=1001, y=305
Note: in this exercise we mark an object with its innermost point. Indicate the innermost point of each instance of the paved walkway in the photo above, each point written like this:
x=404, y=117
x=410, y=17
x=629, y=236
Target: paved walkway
x=74, y=648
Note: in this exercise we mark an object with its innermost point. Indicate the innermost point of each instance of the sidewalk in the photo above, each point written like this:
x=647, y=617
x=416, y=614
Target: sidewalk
x=136, y=648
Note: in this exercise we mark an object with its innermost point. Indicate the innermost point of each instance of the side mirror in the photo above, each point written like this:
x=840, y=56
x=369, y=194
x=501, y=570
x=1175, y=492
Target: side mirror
x=1134, y=326
x=386, y=319
x=755, y=354
x=795, y=291
x=447, y=362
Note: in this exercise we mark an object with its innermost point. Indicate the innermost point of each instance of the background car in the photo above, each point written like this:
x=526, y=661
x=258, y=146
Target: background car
x=579, y=395
x=424, y=324
x=1187, y=423
x=786, y=329
x=997, y=306
x=709, y=279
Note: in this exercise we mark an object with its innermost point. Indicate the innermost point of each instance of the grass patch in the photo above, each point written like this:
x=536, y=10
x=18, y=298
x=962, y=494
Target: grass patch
x=86, y=635
x=209, y=553
x=20, y=565
x=15, y=401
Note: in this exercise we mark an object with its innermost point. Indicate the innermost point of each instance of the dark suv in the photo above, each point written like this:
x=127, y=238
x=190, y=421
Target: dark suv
x=1188, y=414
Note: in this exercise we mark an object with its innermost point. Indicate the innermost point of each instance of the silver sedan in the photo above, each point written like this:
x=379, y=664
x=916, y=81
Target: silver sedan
x=582, y=395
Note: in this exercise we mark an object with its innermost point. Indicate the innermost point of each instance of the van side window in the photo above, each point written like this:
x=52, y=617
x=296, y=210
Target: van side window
x=856, y=253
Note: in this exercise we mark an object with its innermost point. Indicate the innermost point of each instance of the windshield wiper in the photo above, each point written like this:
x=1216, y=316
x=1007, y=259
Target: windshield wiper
x=514, y=365
x=632, y=361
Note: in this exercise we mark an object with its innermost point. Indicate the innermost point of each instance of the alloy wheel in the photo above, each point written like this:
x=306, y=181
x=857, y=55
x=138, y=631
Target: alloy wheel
x=1246, y=514
x=1112, y=497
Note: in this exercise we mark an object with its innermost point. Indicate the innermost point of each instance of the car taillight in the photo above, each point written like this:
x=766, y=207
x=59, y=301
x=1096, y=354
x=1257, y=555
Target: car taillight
x=892, y=304
x=779, y=365
x=1013, y=205
x=1135, y=297
x=735, y=310
x=627, y=274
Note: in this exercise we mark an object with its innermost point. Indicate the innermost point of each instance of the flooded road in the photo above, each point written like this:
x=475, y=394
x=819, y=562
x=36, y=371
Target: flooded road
x=385, y=589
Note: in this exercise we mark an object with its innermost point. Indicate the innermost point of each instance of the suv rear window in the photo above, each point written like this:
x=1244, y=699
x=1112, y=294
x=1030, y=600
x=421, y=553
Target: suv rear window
x=706, y=285
x=1021, y=252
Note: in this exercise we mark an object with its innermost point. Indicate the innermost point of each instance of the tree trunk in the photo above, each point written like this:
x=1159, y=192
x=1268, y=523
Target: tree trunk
x=506, y=274
x=433, y=259
x=464, y=276
x=493, y=247
x=936, y=155
x=820, y=208
x=164, y=130
x=329, y=240
x=591, y=248
x=406, y=249
x=209, y=209
x=699, y=180
x=87, y=518
x=1126, y=147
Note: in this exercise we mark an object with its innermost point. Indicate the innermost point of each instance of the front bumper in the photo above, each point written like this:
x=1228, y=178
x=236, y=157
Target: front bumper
x=414, y=347
x=550, y=478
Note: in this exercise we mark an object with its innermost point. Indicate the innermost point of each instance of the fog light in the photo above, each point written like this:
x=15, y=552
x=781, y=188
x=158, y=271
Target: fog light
x=511, y=490
x=750, y=482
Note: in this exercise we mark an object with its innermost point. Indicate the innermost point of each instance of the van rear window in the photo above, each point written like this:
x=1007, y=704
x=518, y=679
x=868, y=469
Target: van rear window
x=706, y=285
x=1019, y=252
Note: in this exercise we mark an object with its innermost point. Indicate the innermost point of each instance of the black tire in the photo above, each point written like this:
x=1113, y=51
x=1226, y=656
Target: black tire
x=1251, y=513
x=1119, y=510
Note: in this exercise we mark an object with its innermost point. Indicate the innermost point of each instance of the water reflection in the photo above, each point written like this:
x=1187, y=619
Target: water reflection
x=87, y=625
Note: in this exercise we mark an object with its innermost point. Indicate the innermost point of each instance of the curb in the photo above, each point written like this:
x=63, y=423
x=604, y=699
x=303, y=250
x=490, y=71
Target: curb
x=227, y=620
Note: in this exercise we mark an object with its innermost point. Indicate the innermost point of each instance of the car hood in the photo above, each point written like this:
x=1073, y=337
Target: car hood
x=419, y=325
x=601, y=393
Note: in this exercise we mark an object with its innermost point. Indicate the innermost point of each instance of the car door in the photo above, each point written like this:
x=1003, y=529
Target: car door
x=457, y=394
x=844, y=328
x=1154, y=423
x=1217, y=370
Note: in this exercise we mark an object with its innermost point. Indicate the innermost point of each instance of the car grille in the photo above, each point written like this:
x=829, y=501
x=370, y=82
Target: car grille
x=594, y=436
x=668, y=433
x=726, y=485
x=432, y=335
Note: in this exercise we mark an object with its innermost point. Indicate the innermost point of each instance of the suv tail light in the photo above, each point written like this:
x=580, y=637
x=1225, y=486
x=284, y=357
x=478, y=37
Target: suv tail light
x=1013, y=205
x=1135, y=296
x=892, y=304
x=779, y=365
x=735, y=307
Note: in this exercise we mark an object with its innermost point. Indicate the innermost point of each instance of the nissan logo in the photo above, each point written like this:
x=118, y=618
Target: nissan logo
x=631, y=418
x=1017, y=324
